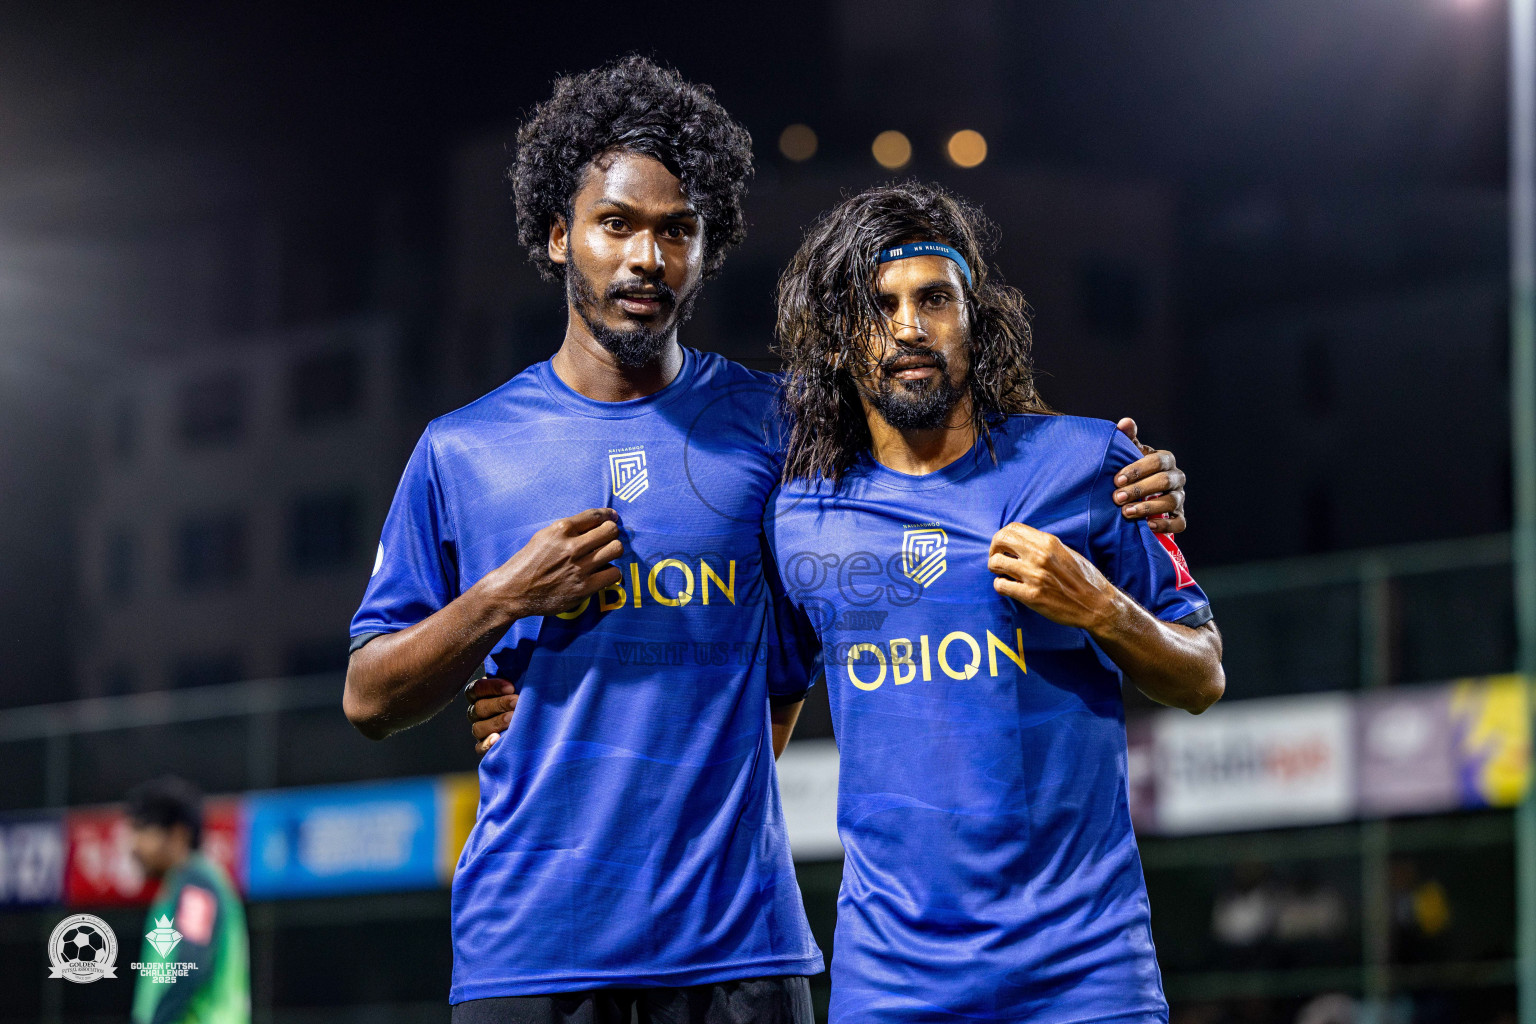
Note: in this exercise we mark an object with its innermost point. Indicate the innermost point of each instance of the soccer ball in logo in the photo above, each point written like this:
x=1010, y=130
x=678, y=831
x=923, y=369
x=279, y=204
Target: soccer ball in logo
x=82, y=943
x=82, y=949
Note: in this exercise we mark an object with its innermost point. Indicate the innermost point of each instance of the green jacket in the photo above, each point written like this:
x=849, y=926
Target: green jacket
x=204, y=909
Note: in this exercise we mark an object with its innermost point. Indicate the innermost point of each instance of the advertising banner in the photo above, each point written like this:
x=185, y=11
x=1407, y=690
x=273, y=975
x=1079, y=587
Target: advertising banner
x=31, y=859
x=100, y=869
x=458, y=802
x=1408, y=752
x=1491, y=720
x=1141, y=781
x=1256, y=764
x=370, y=837
x=808, y=790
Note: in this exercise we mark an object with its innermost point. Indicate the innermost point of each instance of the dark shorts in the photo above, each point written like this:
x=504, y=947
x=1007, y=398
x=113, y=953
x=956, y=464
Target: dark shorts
x=785, y=1000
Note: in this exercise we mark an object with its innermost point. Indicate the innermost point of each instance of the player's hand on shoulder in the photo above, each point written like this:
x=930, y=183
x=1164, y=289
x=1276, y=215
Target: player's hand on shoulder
x=491, y=703
x=1152, y=487
x=1037, y=570
x=562, y=563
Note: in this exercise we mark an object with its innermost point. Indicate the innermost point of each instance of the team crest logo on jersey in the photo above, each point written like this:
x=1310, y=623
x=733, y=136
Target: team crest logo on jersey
x=924, y=549
x=626, y=470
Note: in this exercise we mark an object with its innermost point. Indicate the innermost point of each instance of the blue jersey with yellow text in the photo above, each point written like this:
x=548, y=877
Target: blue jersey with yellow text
x=629, y=830
x=991, y=872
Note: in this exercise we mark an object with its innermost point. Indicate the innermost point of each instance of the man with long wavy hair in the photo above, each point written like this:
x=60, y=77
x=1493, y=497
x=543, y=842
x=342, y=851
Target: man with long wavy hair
x=991, y=871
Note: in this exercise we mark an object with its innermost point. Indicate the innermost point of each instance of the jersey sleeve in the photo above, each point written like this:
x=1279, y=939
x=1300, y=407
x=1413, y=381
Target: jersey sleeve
x=1147, y=566
x=793, y=650
x=415, y=571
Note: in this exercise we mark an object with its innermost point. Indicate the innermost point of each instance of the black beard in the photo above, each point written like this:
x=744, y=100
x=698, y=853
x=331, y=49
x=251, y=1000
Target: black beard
x=915, y=405
x=642, y=344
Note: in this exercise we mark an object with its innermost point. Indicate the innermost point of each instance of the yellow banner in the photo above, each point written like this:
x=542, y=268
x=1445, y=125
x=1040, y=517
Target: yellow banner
x=458, y=800
x=1491, y=719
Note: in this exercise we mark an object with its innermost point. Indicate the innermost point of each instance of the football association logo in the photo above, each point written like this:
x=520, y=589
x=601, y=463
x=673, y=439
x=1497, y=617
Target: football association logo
x=923, y=551
x=83, y=949
x=626, y=468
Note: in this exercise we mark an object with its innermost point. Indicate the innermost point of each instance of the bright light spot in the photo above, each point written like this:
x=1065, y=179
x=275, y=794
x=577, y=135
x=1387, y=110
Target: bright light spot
x=967, y=148
x=892, y=150
x=798, y=142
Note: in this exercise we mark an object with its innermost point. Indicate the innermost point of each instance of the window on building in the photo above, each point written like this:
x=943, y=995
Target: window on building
x=322, y=532
x=324, y=386
x=211, y=409
x=1111, y=298
x=123, y=428
x=119, y=679
x=1317, y=517
x=118, y=574
x=323, y=654
x=207, y=669
x=211, y=551
x=1317, y=374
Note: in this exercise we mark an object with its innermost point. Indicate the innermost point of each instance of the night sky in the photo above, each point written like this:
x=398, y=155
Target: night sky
x=1285, y=92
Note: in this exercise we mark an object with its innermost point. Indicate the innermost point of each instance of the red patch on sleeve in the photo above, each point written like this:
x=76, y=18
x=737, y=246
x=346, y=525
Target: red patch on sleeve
x=1180, y=567
x=195, y=912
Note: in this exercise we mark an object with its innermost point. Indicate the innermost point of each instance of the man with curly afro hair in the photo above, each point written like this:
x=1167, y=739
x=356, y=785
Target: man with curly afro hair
x=590, y=533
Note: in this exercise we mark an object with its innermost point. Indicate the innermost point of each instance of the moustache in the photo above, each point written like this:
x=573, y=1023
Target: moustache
x=913, y=357
x=659, y=291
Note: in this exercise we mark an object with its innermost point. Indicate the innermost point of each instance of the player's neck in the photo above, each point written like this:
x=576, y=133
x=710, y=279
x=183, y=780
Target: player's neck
x=592, y=372
x=916, y=452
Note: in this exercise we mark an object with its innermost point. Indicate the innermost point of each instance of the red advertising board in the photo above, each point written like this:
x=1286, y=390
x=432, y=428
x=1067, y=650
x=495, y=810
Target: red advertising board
x=100, y=869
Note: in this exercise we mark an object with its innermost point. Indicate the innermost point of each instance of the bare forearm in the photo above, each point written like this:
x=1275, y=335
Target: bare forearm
x=1172, y=664
x=784, y=717
x=402, y=679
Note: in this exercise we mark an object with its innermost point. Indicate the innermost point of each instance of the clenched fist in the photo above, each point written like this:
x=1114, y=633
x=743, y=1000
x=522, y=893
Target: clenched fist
x=1043, y=574
x=562, y=563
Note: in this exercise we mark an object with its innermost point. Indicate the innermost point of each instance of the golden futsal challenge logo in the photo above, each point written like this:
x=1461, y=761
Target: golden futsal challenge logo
x=924, y=548
x=626, y=472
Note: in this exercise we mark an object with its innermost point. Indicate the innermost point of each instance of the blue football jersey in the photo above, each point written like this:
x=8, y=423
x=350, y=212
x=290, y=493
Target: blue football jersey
x=991, y=872
x=629, y=829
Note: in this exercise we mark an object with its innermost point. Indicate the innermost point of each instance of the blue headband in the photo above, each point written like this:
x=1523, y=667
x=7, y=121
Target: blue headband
x=910, y=249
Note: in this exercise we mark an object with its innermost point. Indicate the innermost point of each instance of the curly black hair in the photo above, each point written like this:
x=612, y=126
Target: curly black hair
x=829, y=319
x=637, y=105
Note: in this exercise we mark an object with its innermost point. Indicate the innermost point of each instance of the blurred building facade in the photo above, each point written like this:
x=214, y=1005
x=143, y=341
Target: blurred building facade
x=237, y=491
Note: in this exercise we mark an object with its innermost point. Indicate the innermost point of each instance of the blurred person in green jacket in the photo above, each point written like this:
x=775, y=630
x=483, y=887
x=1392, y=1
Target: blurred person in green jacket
x=196, y=923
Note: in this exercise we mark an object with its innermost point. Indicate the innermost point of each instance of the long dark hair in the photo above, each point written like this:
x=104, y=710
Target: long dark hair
x=828, y=318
